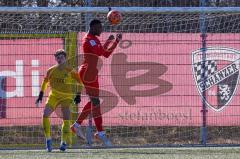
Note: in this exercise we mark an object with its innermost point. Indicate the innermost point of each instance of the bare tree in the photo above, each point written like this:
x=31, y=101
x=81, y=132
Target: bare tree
x=43, y=19
x=42, y=3
x=11, y=3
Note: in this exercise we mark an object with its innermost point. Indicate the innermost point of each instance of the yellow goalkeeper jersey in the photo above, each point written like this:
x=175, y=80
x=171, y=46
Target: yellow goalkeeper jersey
x=63, y=80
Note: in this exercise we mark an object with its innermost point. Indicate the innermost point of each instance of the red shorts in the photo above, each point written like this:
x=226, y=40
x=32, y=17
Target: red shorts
x=90, y=81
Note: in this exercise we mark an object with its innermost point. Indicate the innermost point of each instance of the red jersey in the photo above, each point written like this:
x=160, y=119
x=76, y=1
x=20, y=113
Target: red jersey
x=92, y=49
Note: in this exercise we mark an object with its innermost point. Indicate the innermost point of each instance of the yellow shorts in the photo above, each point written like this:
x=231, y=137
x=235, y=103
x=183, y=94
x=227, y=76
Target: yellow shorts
x=53, y=101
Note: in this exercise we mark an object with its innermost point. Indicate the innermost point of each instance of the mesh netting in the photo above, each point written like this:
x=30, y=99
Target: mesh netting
x=134, y=22
x=156, y=45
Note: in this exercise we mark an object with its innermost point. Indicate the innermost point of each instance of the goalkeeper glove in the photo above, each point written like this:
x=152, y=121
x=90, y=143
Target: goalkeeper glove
x=39, y=99
x=77, y=98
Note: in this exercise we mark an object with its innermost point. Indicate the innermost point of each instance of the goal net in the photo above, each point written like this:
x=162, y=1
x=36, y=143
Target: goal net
x=171, y=63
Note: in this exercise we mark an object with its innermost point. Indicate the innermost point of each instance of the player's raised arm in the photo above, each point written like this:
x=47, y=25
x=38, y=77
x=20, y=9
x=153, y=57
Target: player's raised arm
x=108, y=51
x=108, y=42
x=114, y=45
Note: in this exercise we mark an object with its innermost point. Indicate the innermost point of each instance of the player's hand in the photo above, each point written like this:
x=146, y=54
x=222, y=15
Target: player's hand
x=77, y=98
x=118, y=37
x=111, y=37
x=39, y=99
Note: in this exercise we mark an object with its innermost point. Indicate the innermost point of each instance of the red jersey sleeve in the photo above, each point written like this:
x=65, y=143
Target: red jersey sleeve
x=110, y=49
x=94, y=46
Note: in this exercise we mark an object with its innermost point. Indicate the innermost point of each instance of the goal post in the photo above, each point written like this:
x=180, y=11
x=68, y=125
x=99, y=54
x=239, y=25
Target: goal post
x=151, y=87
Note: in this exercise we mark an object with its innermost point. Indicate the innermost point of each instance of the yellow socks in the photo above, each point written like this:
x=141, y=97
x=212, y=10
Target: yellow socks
x=65, y=134
x=46, y=127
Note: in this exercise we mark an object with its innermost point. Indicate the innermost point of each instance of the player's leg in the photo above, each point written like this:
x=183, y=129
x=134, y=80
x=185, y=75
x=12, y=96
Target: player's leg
x=65, y=132
x=49, y=108
x=47, y=127
x=76, y=127
x=46, y=122
x=93, y=93
x=91, y=89
x=96, y=112
x=97, y=116
x=89, y=84
x=84, y=113
x=73, y=117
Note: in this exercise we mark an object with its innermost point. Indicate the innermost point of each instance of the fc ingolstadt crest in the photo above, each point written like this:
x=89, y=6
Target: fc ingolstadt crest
x=217, y=76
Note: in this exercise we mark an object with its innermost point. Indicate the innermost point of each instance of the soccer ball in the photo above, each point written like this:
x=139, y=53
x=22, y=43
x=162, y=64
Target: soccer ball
x=114, y=17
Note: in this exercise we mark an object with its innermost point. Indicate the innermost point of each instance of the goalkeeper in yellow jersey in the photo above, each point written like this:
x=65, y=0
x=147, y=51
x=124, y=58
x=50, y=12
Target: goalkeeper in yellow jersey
x=64, y=91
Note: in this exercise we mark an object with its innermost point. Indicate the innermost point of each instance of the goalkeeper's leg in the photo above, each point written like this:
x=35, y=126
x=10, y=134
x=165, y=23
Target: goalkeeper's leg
x=47, y=128
x=65, y=133
x=73, y=116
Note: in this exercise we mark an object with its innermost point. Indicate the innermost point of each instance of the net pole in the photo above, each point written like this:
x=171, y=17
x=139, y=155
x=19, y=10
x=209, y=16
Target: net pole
x=203, y=129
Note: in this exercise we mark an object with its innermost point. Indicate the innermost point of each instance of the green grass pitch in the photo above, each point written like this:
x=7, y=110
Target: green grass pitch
x=128, y=153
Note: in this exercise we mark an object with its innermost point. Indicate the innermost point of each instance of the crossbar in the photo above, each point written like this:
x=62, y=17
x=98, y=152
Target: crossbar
x=122, y=9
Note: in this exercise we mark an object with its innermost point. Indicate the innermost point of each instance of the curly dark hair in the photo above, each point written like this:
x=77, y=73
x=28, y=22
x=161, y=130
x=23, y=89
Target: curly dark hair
x=59, y=52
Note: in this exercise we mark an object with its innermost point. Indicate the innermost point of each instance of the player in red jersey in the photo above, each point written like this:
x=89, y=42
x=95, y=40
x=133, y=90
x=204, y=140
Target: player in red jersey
x=88, y=72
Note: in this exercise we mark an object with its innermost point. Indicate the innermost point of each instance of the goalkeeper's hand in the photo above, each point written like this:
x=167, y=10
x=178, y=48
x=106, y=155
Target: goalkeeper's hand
x=77, y=98
x=39, y=99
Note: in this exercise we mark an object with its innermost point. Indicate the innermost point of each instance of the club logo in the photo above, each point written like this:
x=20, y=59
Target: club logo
x=217, y=76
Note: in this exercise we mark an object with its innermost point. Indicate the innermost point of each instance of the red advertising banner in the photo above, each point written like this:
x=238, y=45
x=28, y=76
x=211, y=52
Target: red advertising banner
x=23, y=63
x=152, y=79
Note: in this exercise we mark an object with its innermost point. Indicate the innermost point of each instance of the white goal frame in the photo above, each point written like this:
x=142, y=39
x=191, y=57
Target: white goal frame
x=201, y=11
x=122, y=9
